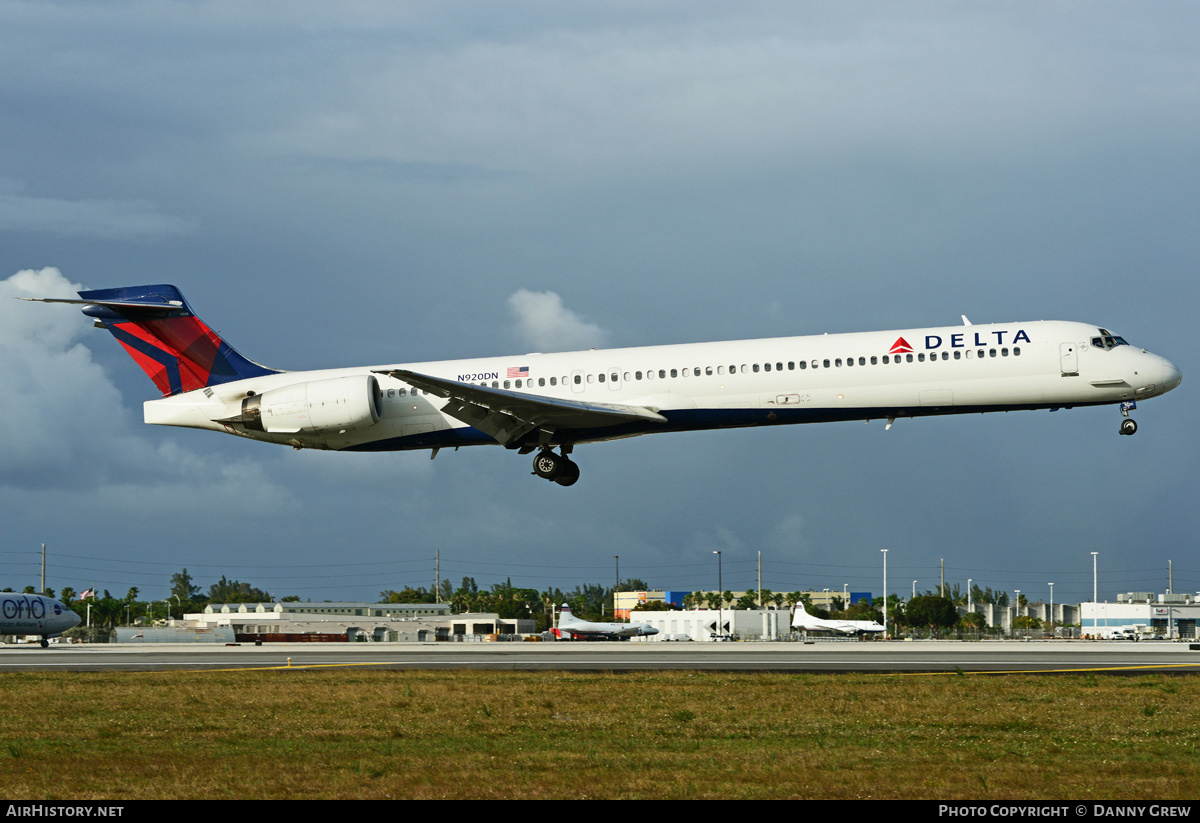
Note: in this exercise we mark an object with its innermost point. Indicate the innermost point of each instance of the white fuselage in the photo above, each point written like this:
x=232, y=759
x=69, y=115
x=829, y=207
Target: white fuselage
x=24, y=614
x=803, y=621
x=818, y=378
x=572, y=626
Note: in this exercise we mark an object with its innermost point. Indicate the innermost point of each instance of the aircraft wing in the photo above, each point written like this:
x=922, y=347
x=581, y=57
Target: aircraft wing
x=509, y=416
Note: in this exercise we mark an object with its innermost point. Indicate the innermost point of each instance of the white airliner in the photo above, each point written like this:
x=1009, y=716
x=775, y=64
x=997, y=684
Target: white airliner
x=572, y=626
x=805, y=621
x=542, y=402
x=24, y=614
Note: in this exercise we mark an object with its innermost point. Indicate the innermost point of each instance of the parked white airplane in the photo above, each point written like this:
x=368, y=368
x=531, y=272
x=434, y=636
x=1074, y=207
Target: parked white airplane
x=539, y=402
x=803, y=620
x=572, y=626
x=24, y=614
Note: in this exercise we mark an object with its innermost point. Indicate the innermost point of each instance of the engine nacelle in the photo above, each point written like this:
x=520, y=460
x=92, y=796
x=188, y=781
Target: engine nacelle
x=334, y=405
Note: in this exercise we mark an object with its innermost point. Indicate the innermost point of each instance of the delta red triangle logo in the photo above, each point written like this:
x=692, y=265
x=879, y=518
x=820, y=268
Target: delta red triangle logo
x=900, y=346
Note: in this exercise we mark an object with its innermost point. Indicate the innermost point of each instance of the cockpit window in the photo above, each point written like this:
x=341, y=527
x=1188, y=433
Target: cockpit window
x=1108, y=340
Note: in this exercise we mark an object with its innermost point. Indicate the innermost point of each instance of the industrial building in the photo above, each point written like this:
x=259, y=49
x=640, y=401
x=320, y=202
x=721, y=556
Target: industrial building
x=1002, y=617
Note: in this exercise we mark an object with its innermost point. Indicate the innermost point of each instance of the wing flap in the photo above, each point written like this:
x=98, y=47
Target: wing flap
x=508, y=416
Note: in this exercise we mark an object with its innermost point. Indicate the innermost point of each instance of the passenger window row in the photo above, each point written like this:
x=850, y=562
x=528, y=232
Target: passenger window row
x=744, y=368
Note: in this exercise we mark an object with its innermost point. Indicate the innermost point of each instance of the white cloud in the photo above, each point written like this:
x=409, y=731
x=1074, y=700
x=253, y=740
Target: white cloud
x=547, y=325
x=68, y=430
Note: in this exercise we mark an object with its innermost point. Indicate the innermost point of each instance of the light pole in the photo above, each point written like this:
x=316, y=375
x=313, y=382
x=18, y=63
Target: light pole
x=914, y=594
x=1051, y=603
x=885, y=551
x=1094, y=598
x=969, y=606
x=616, y=585
x=720, y=596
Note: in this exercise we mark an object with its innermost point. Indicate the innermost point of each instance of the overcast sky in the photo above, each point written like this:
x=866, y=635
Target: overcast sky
x=361, y=183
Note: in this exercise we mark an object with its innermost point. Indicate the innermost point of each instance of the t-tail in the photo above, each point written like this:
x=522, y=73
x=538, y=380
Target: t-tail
x=166, y=338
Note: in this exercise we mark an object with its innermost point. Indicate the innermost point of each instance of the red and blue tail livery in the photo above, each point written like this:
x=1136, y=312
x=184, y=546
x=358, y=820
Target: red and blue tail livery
x=164, y=336
x=550, y=403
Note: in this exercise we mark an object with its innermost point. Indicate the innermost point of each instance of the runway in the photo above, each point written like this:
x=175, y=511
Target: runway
x=1040, y=657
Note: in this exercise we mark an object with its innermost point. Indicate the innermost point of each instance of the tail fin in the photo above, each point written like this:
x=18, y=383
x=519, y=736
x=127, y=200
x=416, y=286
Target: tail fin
x=163, y=335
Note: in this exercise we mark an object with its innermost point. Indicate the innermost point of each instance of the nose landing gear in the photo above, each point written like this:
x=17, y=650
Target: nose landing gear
x=1128, y=425
x=558, y=468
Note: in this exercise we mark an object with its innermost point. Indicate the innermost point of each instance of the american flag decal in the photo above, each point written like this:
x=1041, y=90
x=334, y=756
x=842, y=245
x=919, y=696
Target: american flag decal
x=518, y=371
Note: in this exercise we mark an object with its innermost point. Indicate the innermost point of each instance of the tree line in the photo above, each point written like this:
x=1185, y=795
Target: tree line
x=931, y=610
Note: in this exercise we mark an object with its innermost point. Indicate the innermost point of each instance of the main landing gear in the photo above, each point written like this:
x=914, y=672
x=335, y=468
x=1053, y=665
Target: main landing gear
x=1128, y=425
x=557, y=467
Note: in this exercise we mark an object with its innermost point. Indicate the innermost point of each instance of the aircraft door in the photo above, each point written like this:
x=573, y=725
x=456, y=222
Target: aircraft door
x=1069, y=359
x=577, y=381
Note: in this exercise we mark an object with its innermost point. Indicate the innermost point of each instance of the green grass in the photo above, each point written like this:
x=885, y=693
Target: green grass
x=430, y=734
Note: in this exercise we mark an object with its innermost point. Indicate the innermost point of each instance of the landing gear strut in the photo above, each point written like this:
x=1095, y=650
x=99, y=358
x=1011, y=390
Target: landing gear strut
x=1128, y=425
x=557, y=467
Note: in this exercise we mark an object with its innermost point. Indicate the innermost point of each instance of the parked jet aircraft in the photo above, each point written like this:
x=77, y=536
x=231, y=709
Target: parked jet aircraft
x=540, y=402
x=23, y=614
x=805, y=621
x=572, y=626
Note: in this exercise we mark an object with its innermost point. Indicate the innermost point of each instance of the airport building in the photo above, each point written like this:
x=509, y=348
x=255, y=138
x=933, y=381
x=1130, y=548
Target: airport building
x=625, y=603
x=715, y=624
x=375, y=622
x=1144, y=614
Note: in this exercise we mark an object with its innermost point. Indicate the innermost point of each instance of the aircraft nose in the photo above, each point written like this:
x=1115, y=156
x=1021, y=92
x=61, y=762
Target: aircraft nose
x=72, y=619
x=1171, y=375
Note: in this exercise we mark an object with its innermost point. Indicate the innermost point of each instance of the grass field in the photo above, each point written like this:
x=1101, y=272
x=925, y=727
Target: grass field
x=430, y=734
